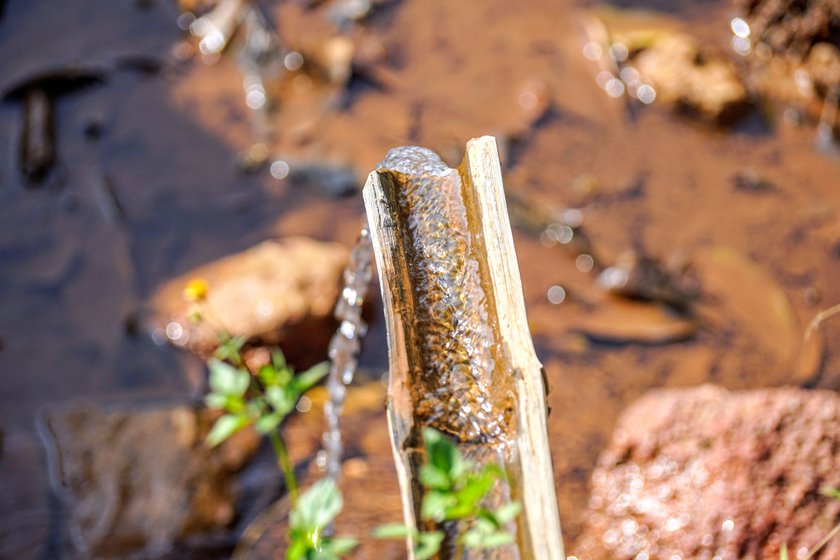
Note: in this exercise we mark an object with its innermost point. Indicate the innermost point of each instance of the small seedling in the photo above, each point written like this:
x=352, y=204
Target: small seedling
x=263, y=400
x=314, y=511
x=455, y=491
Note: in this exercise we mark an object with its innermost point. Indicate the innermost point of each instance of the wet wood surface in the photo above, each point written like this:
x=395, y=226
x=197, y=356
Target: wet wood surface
x=483, y=198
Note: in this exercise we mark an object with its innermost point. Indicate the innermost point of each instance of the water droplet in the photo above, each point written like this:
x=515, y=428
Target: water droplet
x=619, y=52
x=255, y=99
x=741, y=45
x=740, y=27
x=646, y=94
x=304, y=404
x=212, y=43
x=629, y=74
x=603, y=77
x=174, y=331
x=614, y=87
x=185, y=20
x=584, y=263
x=572, y=217
x=629, y=526
x=592, y=50
x=556, y=295
x=159, y=337
x=279, y=169
x=293, y=61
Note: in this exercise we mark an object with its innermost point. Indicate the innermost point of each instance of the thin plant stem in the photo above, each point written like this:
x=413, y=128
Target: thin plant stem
x=279, y=446
x=819, y=318
x=459, y=550
x=824, y=540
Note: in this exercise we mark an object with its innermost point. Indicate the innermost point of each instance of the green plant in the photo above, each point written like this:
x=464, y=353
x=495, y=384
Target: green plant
x=263, y=399
x=314, y=511
x=455, y=491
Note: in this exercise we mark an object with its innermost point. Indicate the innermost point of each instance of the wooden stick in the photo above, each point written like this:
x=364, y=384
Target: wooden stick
x=516, y=427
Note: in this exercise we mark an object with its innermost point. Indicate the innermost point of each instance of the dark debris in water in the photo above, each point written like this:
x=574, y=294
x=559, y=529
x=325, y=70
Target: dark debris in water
x=37, y=151
x=752, y=182
x=637, y=276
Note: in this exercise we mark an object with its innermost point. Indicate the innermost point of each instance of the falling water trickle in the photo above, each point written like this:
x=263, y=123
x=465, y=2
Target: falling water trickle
x=344, y=346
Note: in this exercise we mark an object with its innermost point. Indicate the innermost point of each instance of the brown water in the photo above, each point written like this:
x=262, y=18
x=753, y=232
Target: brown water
x=72, y=276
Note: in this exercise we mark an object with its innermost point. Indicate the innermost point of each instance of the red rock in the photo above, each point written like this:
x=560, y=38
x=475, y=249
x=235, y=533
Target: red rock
x=706, y=474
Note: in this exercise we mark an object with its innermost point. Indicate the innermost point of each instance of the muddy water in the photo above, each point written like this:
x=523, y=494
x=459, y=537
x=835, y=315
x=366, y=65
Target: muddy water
x=72, y=277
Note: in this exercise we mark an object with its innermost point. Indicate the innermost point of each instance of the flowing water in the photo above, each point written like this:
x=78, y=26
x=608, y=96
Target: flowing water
x=344, y=347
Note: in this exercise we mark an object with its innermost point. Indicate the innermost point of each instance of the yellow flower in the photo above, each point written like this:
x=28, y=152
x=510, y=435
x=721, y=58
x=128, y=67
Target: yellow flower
x=195, y=290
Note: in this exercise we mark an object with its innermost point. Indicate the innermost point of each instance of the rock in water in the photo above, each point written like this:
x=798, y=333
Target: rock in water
x=706, y=473
x=692, y=80
x=137, y=482
x=278, y=292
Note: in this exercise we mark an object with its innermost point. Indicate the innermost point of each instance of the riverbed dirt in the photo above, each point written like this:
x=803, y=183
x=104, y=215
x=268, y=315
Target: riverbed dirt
x=146, y=186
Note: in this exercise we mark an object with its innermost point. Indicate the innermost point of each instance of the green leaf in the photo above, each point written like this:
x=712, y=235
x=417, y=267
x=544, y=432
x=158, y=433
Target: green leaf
x=267, y=375
x=482, y=540
x=340, y=546
x=304, y=381
x=215, y=400
x=393, y=531
x=830, y=492
x=783, y=554
x=436, y=504
x=225, y=427
x=434, y=478
x=474, y=491
x=297, y=549
x=485, y=522
x=507, y=512
x=229, y=348
x=317, y=506
x=441, y=453
x=228, y=380
x=281, y=399
x=428, y=544
x=278, y=359
x=268, y=423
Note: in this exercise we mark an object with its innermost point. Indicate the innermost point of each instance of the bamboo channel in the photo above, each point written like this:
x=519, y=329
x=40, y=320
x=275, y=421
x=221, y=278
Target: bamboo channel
x=461, y=356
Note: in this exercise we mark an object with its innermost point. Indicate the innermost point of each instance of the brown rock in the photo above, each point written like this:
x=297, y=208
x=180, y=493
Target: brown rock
x=279, y=292
x=706, y=473
x=137, y=482
x=692, y=79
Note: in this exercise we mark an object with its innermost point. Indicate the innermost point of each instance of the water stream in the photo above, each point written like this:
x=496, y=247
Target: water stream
x=344, y=347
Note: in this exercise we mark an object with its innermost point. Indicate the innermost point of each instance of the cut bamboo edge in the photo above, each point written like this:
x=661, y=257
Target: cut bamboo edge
x=539, y=535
